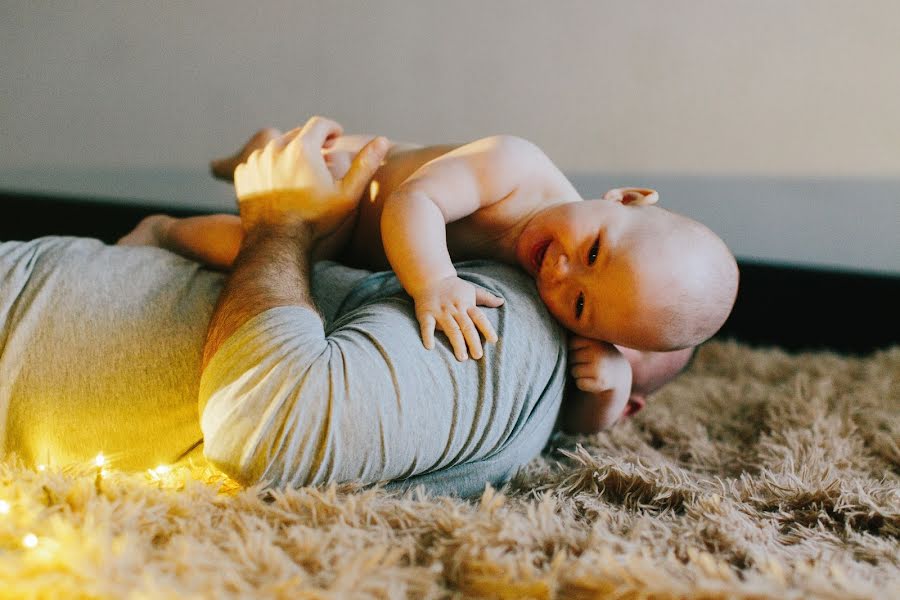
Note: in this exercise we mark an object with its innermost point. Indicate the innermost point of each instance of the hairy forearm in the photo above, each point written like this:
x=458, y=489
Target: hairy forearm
x=414, y=235
x=272, y=269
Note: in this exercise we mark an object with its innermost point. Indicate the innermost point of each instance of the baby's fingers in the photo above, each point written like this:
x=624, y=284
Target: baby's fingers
x=585, y=372
x=426, y=327
x=588, y=385
x=470, y=332
x=451, y=329
x=576, y=342
x=485, y=298
x=483, y=324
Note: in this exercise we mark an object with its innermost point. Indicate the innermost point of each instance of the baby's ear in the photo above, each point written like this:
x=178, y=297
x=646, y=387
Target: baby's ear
x=632, y=196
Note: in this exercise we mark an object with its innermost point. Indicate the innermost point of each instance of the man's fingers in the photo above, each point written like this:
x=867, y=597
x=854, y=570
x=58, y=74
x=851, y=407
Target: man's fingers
x=426, y=326
x=451, y=329
x=223, y=168
x=363, y=167
x=316, y=131
x=485, y=298
x=289, y=137
x=330, y=140
x=473, y=339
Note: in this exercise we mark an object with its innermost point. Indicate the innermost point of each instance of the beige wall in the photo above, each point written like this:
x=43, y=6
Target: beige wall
x=806, y=87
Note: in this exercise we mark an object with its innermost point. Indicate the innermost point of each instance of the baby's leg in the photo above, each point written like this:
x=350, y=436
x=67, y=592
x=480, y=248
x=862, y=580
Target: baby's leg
x=149, y=232
x=213, y=240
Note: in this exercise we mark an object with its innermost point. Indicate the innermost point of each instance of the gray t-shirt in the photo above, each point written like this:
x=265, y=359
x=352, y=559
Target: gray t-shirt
x=101, y=351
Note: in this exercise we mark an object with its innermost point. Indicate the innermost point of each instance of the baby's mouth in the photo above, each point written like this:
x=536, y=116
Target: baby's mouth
x=537, y=255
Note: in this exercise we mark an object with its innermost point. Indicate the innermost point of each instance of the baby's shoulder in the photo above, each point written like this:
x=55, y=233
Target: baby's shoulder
x=522, y=163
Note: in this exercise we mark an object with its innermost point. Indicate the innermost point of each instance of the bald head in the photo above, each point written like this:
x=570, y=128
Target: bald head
x=685, y=280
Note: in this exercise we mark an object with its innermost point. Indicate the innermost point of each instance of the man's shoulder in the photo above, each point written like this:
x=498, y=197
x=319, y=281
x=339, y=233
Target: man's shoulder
x=499, y=276
x=341, y=290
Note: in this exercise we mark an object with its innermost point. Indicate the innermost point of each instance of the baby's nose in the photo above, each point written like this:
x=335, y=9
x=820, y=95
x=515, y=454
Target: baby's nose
x=560, y=267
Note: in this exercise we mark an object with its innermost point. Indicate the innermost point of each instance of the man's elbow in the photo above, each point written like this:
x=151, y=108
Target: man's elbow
x=283, y=428
x=234, y=457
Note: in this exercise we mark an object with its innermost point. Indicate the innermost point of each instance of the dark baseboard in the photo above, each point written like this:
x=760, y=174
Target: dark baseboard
x=813, y=309
x=794, y=308
x=35, y=216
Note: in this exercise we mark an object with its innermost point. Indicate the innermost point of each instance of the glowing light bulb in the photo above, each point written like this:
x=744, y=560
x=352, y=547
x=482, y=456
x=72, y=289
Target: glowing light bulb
x=30, y=540
x=100, y=460
x=4, y=507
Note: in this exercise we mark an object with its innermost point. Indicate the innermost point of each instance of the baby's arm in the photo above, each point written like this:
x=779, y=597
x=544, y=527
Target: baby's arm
x=601, y=386
x=413, y=228
x=210, y=239
x=586, y=411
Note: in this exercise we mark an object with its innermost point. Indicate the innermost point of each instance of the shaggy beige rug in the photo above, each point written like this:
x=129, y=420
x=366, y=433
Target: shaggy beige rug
x=758, y=474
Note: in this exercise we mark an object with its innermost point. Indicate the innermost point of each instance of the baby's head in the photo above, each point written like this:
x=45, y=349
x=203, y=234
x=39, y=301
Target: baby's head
x=629, y=273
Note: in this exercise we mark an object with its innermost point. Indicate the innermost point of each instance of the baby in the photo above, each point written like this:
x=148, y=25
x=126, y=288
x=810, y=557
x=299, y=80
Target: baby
x=621, y=274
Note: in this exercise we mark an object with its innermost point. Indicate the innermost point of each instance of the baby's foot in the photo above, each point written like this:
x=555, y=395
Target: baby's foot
x=149, y=232
x=223, y=168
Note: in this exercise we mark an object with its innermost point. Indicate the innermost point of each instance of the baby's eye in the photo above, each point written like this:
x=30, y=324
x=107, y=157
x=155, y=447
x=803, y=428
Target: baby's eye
x=579, y=305
x=595, y=249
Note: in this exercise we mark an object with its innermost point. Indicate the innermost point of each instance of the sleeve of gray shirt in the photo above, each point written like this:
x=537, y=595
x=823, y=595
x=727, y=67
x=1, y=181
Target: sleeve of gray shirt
x=292, y=400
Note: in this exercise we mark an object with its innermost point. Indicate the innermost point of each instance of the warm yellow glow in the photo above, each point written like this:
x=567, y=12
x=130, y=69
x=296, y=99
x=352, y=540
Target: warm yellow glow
x=30, y=540
x=162, y=469
x=104, y=472
x=42, y=468
x=373, y=190
x=4, y=507
x=100, y=460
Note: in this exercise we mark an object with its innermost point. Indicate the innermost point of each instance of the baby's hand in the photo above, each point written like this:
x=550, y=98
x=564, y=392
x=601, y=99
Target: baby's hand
x=452, y=304
x=598, y=367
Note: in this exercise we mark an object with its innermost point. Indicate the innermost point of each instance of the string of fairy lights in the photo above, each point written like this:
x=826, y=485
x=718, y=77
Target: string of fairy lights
x=30, y=540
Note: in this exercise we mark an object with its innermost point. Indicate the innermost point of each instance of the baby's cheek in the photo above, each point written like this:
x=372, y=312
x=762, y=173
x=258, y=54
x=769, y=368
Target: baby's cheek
x=549, y=296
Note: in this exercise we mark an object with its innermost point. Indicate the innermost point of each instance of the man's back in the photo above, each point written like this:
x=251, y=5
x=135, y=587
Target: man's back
x=102, y=352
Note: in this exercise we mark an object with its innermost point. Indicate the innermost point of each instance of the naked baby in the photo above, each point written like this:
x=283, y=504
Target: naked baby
x=628, y=279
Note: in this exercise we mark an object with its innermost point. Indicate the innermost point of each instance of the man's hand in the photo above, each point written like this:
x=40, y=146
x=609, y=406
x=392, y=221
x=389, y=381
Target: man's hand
x=288, y=201
x=602, y=376
x=634, y=196
x=288, y=182
x=452, y=304
x=223, y=168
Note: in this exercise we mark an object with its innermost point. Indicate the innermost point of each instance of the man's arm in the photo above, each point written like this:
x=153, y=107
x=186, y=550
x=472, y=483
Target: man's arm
x=271, y=270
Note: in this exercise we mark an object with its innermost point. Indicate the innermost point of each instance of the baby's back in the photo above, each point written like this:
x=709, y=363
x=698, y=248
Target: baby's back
x=365, y=250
